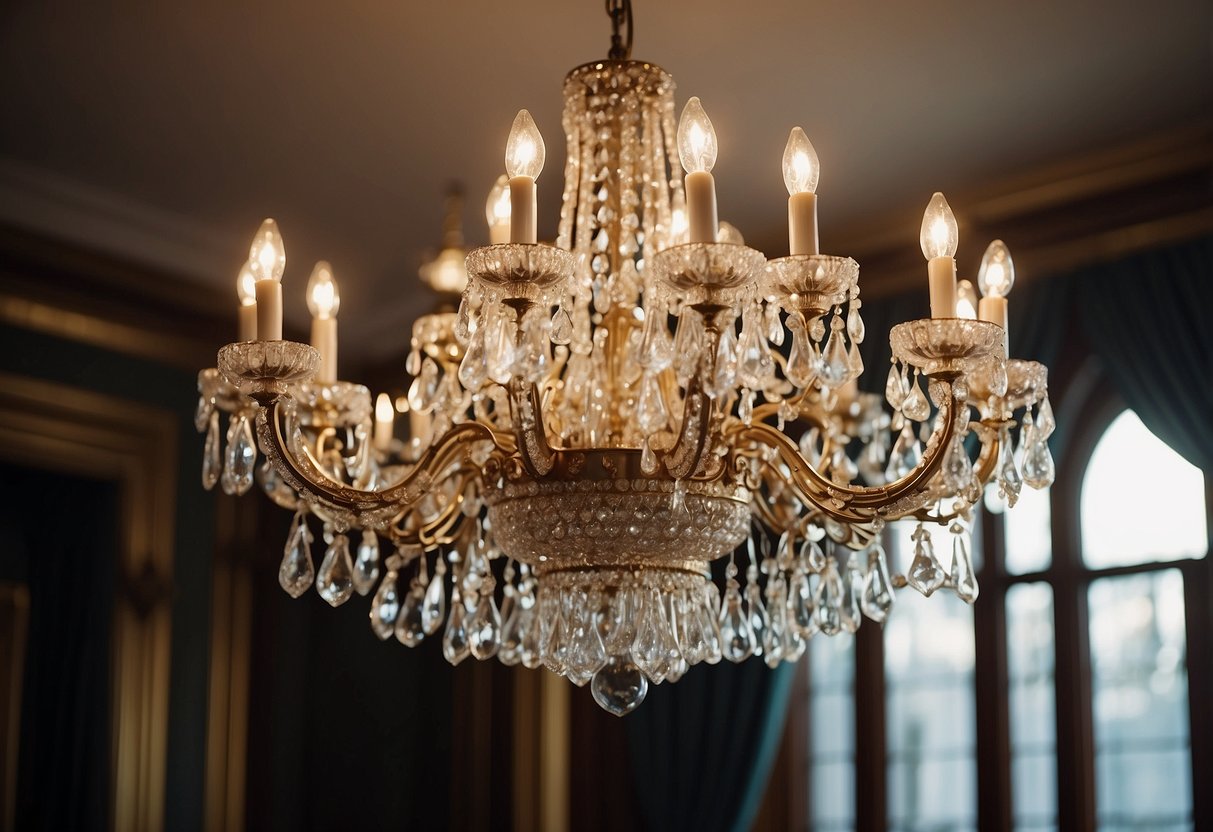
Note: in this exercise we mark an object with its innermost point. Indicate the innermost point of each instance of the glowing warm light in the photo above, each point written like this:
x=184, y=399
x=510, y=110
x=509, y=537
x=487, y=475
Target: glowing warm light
x=323, y=299
x=801, y=169
x=244, y=286
x=966, y=300
x=696, y=138
x=729, y=233
x=384, y=410
x=997, y=273
x=524, y=151
x=402, y=404
x=938, y=237
x=267, y=254
x=446, y=273
x=678, y=223
x=497, y=207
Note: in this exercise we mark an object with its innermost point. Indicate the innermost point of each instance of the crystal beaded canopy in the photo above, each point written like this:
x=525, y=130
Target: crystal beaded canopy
x=604, y=419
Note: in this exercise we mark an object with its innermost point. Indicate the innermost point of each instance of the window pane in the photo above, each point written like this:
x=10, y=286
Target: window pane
x=929, y=702
x=1028, y=533
x=1115, y=531
x=1030, y=663
x=832, y=732
x=1140, y=687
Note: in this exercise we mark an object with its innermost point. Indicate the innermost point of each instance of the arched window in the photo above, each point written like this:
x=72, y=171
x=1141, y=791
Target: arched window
x=1079, y=666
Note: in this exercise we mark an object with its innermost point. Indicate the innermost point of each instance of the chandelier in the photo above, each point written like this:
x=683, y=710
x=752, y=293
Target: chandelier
x=604, y=419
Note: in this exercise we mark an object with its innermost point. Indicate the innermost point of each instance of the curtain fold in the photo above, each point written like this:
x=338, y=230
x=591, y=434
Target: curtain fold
x=702, y=749
x=1147, y=319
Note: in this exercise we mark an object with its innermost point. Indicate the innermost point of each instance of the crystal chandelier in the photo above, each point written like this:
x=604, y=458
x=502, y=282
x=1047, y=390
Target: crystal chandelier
x=604, y=418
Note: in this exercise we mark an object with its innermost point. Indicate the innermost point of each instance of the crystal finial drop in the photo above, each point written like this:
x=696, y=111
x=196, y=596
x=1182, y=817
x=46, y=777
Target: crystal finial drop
x=648, y=459
x=619, y=686
x=335, y=580
x=562, y=327
x=915, y=405
x=736, y=637
x=296, y=573
x=385, y=607
x=366, y=563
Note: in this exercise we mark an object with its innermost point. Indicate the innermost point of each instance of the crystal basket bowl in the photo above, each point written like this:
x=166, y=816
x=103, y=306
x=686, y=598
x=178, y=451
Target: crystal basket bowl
x=558, y=525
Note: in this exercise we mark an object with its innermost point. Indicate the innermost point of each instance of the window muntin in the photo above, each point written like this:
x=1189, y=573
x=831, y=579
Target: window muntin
x=832, y=735
x=1031, y=694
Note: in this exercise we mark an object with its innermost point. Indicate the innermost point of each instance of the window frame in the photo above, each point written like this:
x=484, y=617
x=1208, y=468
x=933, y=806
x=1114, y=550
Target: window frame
x=1090, y=406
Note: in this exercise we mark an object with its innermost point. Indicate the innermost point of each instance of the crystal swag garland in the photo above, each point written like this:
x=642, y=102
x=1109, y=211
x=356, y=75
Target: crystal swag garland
x=603, y=418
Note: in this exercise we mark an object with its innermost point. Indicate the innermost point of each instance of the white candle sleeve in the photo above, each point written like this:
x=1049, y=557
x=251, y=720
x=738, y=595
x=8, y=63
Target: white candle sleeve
x=523, y=210
x=994, y=310
x=941, y=273
x=269, y=310
x=701, y=207
x=248, y=322
x=324, y=339
x=802, y=224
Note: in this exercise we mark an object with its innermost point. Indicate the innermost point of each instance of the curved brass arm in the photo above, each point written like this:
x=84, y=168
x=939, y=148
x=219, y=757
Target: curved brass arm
x=305, y=477
x=537, y=455
x=857, y=504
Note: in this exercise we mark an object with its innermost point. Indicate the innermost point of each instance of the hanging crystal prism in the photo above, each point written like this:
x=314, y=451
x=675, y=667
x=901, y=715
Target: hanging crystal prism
x=385, y=607
x=366, y=563
x=878, y=595
x=619, y=686
x=926, y=574
x=964, y=581
x=211, y=465
x=335, y=580
x=455, y=639
x=296, y=573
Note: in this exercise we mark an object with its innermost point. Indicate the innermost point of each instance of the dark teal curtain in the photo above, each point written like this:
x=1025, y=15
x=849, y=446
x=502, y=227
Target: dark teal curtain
x=702, y=749
x=1148, y=318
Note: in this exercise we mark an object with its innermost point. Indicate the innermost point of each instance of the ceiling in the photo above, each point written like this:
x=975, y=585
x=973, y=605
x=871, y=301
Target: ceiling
x=165, y=133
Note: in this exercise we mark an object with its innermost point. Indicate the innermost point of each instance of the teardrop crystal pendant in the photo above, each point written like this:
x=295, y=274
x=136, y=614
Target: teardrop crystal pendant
x=957, y=467
x=736, y=637
x=803, y=361
x=202, y=413
x=296, y=573
x=211, y=464
x=829, y=601
x=473, y=369
x=648, y=459
x=241, y=456
x=926, y=574
x=434, y=609
x=964, y=581
x=455, y=639
x=756, y=613
x=409, y=629
x=835, y=361
x=385, y=607
x=915, y=405
x=619, y=686
x=562, y=327
x=1038, y=469
x=484, y=627
x=1009, y=480
x=895, y=387
x=878, y=598
x=335, y=580
x=366, y=563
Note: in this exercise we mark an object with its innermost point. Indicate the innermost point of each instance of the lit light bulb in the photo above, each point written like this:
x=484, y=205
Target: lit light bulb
x=966, y=300
x=323, y=299
x=384, y=410
x=938, y=237
x=524, y=151
x=267, y=255
x=729, y=233
x=696, y=138
x=997, y=273
x=801, y=169
x=497, y=207
x=244, y=286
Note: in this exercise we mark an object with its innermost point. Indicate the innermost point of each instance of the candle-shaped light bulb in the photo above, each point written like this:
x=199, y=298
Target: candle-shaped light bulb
x=966, y=300
x=938, y=237
x=267, y=255
x=497, y=210
x=323, y=299
x=524, y=155
x=524, y=151
x=697, y=151
x=696, y=139
x=246, y=290
x=997, y=273
x=267, y=262
x=801, y=169
x=995, y=279
x=385, y=422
